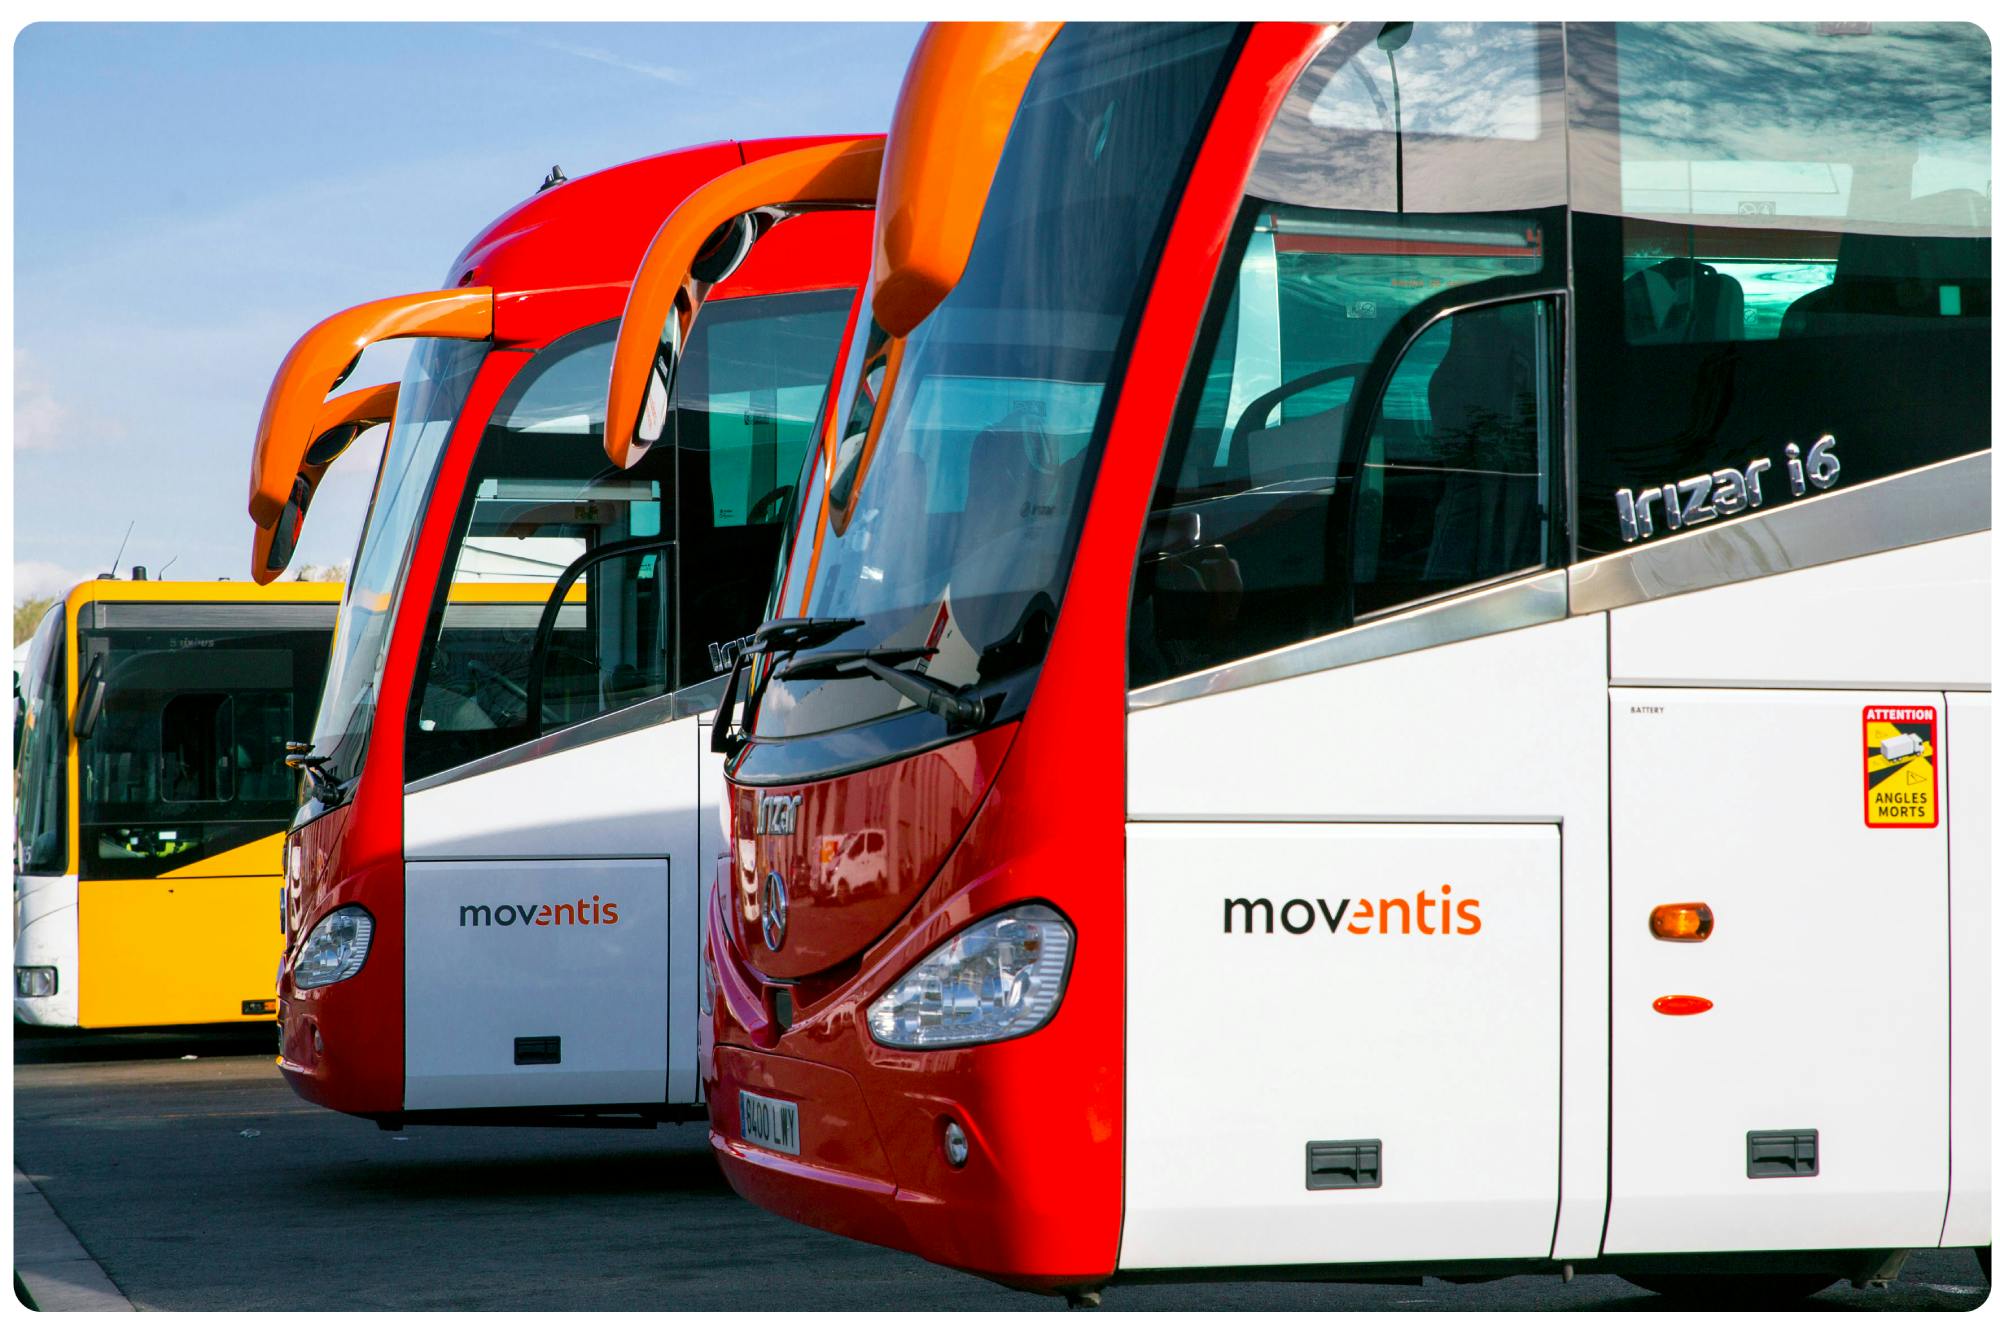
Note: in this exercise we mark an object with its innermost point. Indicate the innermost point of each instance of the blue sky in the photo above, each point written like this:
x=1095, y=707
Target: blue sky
x=191, y=198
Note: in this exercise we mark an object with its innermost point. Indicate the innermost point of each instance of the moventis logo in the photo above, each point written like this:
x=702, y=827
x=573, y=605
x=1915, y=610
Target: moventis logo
x=596, y=912
x=1362, y=916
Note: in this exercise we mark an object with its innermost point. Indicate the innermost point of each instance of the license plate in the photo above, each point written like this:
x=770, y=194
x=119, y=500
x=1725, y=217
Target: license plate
x=768, y=1122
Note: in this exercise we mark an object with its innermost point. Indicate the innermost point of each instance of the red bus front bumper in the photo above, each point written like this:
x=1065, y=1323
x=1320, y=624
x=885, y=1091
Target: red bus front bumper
x=1036, y=1203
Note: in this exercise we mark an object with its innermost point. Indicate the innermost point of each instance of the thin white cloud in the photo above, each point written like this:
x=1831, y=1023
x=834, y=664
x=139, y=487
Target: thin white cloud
x=664, y=73
x=39, y=417
x=43, y=417
x=41, y=578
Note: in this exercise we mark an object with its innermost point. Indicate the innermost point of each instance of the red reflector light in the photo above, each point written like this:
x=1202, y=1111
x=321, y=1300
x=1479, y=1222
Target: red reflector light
x=1682, y=1004
x=1687, y=923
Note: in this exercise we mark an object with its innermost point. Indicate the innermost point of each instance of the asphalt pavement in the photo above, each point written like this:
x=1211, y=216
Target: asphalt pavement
x=204, y=1184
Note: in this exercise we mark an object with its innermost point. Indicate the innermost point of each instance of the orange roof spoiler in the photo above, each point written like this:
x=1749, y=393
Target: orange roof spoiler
x=296, y=410
x=699, y=245
x=340, y=423
x=959, y=96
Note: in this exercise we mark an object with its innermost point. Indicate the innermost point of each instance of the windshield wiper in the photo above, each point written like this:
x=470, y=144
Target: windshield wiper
x=948, y=702
x=786, y=634
x=791, y=633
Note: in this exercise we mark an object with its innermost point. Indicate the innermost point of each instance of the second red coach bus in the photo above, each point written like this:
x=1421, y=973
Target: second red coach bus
x=1346, y=580
x=491, y=900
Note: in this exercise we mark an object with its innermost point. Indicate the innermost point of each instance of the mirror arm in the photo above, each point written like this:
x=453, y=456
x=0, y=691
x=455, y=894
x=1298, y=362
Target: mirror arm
x=89, y=700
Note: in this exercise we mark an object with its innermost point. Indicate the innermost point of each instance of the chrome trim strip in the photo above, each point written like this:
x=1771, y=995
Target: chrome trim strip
x=1533, y=600
x=633, y=717
x=1949, y=499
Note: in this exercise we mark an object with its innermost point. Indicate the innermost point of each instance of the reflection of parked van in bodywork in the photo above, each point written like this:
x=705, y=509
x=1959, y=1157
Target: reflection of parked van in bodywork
x=860, y=858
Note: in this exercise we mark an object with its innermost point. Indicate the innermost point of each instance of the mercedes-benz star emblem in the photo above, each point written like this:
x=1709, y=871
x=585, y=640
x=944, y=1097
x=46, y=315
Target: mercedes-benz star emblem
x=774, y=911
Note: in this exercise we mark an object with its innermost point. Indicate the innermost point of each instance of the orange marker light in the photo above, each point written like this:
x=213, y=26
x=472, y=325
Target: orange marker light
x=1687, y=923
x=1678, y=1005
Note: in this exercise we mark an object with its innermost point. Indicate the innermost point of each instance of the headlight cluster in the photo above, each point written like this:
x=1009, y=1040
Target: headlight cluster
x=336, y=948
x=34, y=983
x=1000, y=977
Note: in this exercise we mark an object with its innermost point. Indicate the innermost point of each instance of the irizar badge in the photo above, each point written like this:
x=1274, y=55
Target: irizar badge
x=1720, y=494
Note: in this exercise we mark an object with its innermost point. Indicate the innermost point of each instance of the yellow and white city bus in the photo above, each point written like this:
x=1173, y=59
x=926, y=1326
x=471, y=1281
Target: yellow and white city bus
x=151, y=798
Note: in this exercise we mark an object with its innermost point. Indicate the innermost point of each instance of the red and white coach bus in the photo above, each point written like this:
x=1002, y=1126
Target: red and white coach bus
x=491, y=907
x=1410, y=605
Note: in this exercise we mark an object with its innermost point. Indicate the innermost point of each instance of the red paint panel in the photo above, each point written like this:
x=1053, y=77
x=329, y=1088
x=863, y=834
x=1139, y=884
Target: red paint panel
x=560, y=261
x=842, y=894
x=563, y=258
x=1039, y=1205
x=355, y=853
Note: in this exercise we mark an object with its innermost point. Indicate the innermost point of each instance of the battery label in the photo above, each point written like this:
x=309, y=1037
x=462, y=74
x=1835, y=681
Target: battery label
x=1899, y=766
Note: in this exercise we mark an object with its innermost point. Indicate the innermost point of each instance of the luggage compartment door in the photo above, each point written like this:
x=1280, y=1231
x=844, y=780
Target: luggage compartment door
x=1318, y=1070
x=1808, y=1108
x=536, y=983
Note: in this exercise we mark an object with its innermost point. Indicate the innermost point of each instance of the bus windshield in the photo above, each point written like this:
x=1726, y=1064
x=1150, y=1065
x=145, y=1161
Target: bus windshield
x=955, y=529
x=187, y=756
x=433, y=389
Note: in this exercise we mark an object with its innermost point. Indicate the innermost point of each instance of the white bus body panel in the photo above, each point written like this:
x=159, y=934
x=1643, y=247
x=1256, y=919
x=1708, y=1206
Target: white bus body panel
x=1968, y=728
x=1445, y=1048
x=473, y=986
x=1918, y=617
x=45, y=936
x=1508, y=729
x=619, y=818
x=1827, y=969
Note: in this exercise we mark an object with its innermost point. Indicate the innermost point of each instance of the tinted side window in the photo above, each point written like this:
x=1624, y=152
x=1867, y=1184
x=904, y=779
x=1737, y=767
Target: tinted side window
x=1453, y=488
x=41, y=767
x=542, y=501
x=1782, y=236
x=748, y=393
x=1363, y=428
x=695, y=521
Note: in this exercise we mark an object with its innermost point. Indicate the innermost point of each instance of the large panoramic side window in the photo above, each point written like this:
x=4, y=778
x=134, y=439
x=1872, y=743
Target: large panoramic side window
x=1782, y=245
x=540, y=500
x=1370, y=420
x=678, y=549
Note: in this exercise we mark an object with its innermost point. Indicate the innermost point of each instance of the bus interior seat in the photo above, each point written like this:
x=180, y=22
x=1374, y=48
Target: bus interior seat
x=1682, y=300
x=1879, y=278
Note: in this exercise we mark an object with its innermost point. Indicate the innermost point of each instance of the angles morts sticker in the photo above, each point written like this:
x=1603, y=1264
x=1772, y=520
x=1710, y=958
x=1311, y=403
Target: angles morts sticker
x=1899, y=766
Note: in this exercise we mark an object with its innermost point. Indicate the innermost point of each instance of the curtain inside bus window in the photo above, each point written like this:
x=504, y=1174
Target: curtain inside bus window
x=41, y=768
x=1351, y=438
x=1782, y=232
x=188, y=756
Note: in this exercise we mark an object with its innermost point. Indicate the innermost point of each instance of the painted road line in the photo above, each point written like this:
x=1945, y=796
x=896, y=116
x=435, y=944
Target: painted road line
x=51, y=1263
